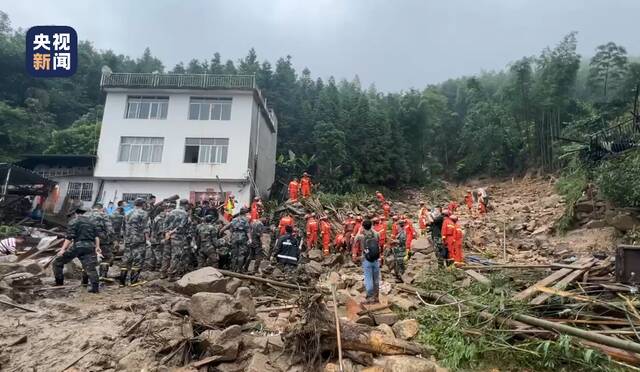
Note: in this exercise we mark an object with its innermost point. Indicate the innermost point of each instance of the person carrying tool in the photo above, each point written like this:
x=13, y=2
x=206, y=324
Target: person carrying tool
x=312, y=231
x=437, y=220
x=293, y=189
x=380, y=227
x=305, y=185
x=325, y=230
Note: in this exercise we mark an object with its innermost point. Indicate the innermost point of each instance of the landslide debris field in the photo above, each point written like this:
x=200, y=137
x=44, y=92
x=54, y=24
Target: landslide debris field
x=213, y=320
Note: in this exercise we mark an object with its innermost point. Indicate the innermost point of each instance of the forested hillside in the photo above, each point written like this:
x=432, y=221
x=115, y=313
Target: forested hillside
x=495, y=123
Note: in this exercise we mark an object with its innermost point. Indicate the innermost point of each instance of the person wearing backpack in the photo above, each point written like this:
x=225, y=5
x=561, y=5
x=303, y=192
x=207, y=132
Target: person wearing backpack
x=369, y=243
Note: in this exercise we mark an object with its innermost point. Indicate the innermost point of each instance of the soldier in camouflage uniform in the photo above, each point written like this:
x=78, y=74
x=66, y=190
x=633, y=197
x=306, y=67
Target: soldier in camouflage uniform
x=136, y=238
x=257, y=228
x=154, y=252
x=165, y=258
x=399, y=250
x=82, y=236
x=106, y=234
x=176, y=229
x=239, y=239
x=207, y=242
x=117, y=221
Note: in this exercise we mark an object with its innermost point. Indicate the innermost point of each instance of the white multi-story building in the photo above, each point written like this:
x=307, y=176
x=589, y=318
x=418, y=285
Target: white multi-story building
x=185, y=134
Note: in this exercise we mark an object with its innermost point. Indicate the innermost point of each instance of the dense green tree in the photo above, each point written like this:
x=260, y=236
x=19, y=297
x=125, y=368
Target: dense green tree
x=608, y=67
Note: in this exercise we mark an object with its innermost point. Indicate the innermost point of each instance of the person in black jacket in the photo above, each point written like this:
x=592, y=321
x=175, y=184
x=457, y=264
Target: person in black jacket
x=287, y=252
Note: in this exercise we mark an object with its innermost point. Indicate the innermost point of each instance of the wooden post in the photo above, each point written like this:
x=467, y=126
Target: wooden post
x=335, y=311
x=504, y=241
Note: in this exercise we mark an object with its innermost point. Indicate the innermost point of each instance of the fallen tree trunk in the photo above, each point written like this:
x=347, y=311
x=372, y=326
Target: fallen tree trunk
x=262, y=280
x=316, y=333
x=545, y=324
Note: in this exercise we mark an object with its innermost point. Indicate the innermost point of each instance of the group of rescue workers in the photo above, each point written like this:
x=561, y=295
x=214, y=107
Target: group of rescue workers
x=177, y=238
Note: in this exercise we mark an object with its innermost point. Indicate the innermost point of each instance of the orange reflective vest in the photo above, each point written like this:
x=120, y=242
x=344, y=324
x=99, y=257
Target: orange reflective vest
x=305, y=186
x=284, y=222
x=293, y=190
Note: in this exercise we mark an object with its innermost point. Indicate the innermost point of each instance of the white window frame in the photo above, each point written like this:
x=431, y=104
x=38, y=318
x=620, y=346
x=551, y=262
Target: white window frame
x=131, y=196
x=140, y=149
x=210, y=108
x=80, y=191
x=210, y=150
x=135, y=104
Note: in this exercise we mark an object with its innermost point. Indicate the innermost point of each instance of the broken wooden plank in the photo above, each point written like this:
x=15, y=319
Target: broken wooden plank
x=262, y=280
x=562, y=284
x=17, y=306
x=276, y=308
x=133, y=327
x=373, y=308
x=207, y=360
x=478, y=277
x=537, y=266
x=78, y=359
x=528, y=292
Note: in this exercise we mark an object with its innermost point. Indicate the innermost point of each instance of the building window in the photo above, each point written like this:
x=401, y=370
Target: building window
x=147, y=107
x=141, y=149
x=210, y=108
x=206, y=150
x=80, y=191
x=131, y=196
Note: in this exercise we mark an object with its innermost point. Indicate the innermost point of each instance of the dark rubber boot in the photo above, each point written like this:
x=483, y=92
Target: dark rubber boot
x=85, y=278
x=94, y=288
x=59, y=281
x=135, y=274
x=123, y=278
x=104, y=270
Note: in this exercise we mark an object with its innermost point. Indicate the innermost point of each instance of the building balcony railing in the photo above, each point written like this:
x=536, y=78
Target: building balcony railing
x=202, y=81
x=64, y=172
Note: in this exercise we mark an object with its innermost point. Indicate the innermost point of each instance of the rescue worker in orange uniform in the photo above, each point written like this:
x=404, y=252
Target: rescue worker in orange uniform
x=340, y=244
x=229, y=206
x=305, y=185
x=256, y=209
x=293, y=189
x=458, y=239
x=349, y=230
x=386, y=209
x=410, y=231
x=452, y=207
x=468, y=200
x=394, y=227
x=423, y=214
x=285, y=221
x=325, y=230
x=448, y=229
x=381, y=228
x=312, y=231
x=482, y=208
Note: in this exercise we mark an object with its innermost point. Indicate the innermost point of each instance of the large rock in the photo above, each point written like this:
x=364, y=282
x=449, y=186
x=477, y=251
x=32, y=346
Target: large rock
x=389, y=318
x=261, y=363
x=313, y=268
x=387, y=330
x=315, y=255
x=224, y=344
x=10, y=267
x=243, y=296
x=218, y=309
x=595, y=224
x=406, y=329
x=623, y=222
x=584, y=206
x=402, y=363
x=206, y=279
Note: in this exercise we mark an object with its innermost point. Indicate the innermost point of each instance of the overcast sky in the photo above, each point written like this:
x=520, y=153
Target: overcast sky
x=396, y=44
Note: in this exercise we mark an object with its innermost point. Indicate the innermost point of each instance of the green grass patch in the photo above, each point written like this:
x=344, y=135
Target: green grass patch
x=465, y=341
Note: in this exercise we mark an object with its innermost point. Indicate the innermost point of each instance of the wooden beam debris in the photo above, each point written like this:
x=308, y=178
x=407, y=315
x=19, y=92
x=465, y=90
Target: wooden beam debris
x=262, y=280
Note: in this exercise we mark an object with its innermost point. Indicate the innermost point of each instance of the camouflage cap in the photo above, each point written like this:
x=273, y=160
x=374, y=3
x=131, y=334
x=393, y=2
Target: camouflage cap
x=138, y=202
x=98, y=205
